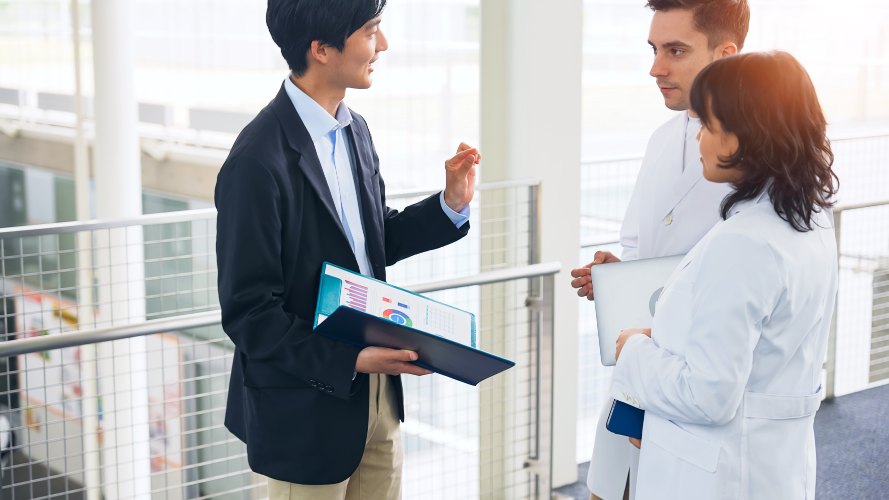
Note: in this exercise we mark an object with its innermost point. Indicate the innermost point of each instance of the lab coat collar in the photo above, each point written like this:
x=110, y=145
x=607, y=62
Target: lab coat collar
x=739, y=207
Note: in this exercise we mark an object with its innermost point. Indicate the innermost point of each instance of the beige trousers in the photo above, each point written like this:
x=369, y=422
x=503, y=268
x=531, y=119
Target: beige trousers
x=378, y=476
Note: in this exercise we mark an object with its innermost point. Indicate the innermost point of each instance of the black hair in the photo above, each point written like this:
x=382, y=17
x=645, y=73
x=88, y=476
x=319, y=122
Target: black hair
x=295, y=24
x=721, y=20
x=768, y=101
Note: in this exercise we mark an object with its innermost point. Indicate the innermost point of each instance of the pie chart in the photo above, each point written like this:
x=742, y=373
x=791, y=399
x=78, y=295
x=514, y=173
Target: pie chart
x=398, y=317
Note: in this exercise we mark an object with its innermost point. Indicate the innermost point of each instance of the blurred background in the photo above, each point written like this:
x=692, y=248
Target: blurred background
x=204, y=68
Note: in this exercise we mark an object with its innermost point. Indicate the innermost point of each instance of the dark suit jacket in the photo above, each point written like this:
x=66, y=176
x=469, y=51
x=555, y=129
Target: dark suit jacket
x=292, y=398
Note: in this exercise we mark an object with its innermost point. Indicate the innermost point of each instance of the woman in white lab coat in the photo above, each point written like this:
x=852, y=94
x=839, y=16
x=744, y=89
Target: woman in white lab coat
x=730, y=372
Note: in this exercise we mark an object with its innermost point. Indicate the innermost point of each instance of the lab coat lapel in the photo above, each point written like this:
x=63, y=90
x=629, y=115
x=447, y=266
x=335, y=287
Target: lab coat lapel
x=677, y=182
x=671, y=182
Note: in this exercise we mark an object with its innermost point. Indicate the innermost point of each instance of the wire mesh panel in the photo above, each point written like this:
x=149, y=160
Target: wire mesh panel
x=190, y=454
x=502, y=221
x=480, y=442
x=606, y=188
x=458, y=439
x=861, y=357
x=860, y=163
x=143, y=416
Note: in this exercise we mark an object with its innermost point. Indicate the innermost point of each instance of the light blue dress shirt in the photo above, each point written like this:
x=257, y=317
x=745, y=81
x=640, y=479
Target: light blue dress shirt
x=329, y=137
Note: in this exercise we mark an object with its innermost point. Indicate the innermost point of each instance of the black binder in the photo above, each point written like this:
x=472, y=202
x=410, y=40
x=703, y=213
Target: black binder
x=437, y=354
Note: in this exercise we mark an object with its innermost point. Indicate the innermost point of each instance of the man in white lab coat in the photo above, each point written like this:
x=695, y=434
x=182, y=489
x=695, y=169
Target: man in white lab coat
x=672, y=205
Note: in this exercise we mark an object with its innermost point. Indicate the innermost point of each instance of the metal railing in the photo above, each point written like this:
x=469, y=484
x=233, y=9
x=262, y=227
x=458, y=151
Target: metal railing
x=117, y=389
x=857, y=346
x=518, y=452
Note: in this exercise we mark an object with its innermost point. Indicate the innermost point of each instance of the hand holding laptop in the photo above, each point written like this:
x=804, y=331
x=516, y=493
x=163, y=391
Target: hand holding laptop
x=582, y=275
x=626, y=296
x=625, y=335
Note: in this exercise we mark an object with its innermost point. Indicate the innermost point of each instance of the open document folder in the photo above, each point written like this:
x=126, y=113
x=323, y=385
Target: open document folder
x=363, y=311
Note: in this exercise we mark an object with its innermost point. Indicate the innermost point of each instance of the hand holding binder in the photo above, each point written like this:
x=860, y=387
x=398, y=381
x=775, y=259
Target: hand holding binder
x=388, y=361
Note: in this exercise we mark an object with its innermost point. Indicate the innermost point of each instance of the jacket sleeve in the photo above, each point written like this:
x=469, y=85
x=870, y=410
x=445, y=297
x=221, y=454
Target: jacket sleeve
x=733, y=293
x=276, y=345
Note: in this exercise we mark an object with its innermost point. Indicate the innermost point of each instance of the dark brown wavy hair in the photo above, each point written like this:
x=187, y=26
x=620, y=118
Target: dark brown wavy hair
x=768, y=101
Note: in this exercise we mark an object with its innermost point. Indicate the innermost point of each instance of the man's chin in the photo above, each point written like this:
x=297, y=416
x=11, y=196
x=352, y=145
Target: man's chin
x=362, y=85
x=676, y=106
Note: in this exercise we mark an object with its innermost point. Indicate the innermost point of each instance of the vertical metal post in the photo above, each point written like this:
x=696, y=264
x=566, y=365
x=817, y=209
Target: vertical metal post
x=534, y=224
x=545, y=385
x=539, y=303
x=830, y=365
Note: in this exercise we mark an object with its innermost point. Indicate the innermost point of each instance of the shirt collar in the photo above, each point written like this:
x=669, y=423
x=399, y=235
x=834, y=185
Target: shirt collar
x=317, y=120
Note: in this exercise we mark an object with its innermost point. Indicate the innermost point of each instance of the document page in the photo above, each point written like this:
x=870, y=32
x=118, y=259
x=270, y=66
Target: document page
x=341, y=287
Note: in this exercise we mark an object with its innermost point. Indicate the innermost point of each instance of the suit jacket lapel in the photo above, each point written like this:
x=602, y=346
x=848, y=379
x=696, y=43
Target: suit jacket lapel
x=298, y=138
x=368, y=192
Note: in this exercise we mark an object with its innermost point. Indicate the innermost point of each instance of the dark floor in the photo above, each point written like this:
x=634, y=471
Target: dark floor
x=33, y=480
x=852, y=436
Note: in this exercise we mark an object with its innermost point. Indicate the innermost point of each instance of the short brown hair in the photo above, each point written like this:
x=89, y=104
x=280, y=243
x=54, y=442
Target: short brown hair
x=720, y=20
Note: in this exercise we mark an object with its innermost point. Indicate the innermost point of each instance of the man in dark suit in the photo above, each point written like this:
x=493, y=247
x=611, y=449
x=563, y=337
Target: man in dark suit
x=302, y=186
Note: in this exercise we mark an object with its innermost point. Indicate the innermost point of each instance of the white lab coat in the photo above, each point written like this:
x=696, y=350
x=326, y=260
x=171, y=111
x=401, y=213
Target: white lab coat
x=730, y=379
x=670, y=210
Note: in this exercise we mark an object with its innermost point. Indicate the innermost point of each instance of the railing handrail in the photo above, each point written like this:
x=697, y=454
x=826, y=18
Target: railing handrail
x=490, y=277
x=92, y=225
x=203, y=214
x=487, y=186
x=598, y=243
x=860, y=206
x=197, y=320
x=93, y=336
x=836, y=210
x=841, y=137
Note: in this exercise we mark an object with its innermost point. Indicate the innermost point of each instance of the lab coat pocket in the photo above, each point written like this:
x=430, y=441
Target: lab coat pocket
x=675, y=464
x=778, y=447
x=682, y=444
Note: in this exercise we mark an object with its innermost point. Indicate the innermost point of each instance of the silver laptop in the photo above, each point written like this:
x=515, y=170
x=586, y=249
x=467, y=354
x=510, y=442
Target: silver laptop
x=625, y=297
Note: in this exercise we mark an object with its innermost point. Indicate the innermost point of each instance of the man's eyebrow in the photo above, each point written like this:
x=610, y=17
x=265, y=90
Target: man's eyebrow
x=373, y=23
x=673, y=44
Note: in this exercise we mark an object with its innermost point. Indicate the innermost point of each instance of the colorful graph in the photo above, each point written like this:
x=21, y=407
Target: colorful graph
x=356, y=295
x=399, y=317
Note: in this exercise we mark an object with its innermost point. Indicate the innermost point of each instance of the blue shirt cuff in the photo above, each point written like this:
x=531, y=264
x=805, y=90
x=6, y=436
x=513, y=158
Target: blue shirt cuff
x=458, y=218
